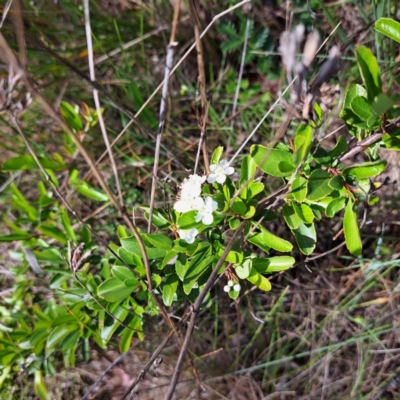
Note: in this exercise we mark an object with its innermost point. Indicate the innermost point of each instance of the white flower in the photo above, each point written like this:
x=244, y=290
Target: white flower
x=184, y=205
x=205, y=210
x=237, y=288
x=227, y=288
x=231, y=283
x=219, y=172
x=188, y=235
x=191, y=187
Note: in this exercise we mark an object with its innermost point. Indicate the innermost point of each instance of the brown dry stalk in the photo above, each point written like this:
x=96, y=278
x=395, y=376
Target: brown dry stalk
x=202, y=85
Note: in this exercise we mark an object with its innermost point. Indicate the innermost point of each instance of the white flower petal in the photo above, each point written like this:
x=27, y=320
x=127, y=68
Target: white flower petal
x=223, y=164
x=182, y=206
x=211, y=178
x=207, y=219
x=221, y=178
x=197, y=203
x=229, y=170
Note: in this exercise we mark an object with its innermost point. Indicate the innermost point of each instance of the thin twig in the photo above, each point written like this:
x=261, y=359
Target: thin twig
x=5, y=12
x=203, y=94
x=163, y=108
x=103, y=129
x=108, y=369
x=239, y=80
x=195, y=309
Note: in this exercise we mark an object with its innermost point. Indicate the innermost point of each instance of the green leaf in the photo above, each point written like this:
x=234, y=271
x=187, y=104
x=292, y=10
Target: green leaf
x=352, y=92
x=59, y=333
x=335, y=206
x=351, y=231
x=318, y=185
x=169, y=289
x=53, y=232
x=268, y=239
x=188, y=220
x=302, y=142
x=272, y=264
x=15, y=236
x=247, y=173
x=243, y=270
x=121, y=312
x=254, y=189
x=304, y=212
x=197, y=267
x=114, y=290
x=40, y=386
x=160, y=217
x=381, y=104
x=71, y=116
x=125, y=275
x=238, y=207
x=216, y=157
x=389, y=27
x=260, y=281
x=290, y=216
x=336, y=182
x=126, y=339
x=361, y=107
x=25, y=163
x=158, y=240
x=369, y=70
x=299, y=188
x=66, y=223
x=86, y=190
x=322, y=157
x=268, y=159
x=132, y=246
x=306, y=237
x=340, y=148
x=365, y=170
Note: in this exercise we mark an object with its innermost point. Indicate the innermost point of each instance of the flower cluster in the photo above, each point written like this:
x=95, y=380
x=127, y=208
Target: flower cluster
x=190, y=197
x=232, y=286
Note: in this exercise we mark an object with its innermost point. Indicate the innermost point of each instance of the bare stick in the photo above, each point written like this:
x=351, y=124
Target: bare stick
x=5, y=12
x=244, y=51
x=129, y=44
x=202, y=84
x=195, y=309
x=163, y=108
x=97, y=100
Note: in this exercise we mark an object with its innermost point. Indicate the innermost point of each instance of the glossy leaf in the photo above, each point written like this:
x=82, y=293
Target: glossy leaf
x=259, y=280
x=302, y=142
x=306, y=237
x=120, y=313
x=247, y=173
x=71, y=116
x=243, y=270
x=268, y=239
x=351, y=231
x=299, y=188
x=389, y=27
x=66, y=223
x=381, y=104
x=335, y=206
x=160, y=217
x=361, y=107
x=59, y=333
x=216, y=157
x=197, y=267
x=125, y=275
x=366, y=170
x=169, y=289
x=340, y=148
x=290, y=216
x=304, y=212
x=15, y=236
x=369, y=70
x=158, y=240
x=132, y=246
x=272, y=264
x=40, y=386
x=268, y=159
x=318, y=185
x=114, y=290
x=25, y=163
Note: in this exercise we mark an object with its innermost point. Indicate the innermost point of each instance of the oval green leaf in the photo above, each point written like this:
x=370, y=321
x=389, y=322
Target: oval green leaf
x=351, y=231
x=389, y=27
x=114, y=290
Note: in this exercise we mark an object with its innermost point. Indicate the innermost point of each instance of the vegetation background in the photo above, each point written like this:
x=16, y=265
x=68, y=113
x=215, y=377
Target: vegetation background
x=327, y=329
